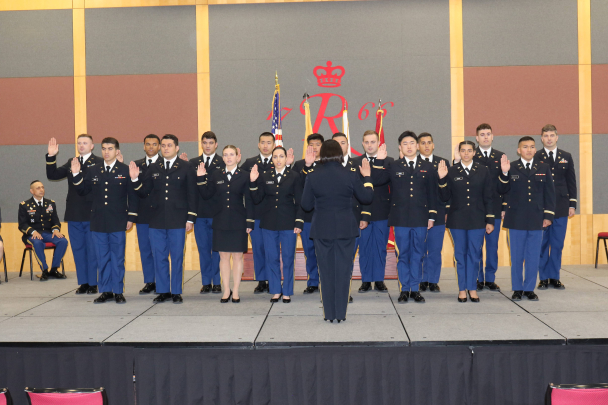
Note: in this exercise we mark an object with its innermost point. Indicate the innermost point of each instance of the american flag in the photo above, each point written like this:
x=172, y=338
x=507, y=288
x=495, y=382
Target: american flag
x=276, y=115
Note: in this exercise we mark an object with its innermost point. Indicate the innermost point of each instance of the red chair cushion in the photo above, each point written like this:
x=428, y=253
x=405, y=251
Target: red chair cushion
x=52, y=245
x=2, y=398
x=72, y=398
x=602, y=235
x=579, y=396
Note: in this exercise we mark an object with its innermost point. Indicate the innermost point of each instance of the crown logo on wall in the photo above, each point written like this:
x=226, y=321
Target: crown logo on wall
x=328, y=78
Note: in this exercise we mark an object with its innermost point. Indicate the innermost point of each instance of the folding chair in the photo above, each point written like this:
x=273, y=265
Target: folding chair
x=66, y=396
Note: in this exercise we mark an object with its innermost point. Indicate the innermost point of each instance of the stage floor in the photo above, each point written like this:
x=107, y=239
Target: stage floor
x=49, y=313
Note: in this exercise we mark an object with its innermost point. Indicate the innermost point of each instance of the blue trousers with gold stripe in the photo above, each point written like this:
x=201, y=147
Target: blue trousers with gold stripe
x=491, y=255
x=410, y=243
x=210, y=260
x=431, y=261
x=83, y=250
x=260, y=268
x=553, y=237
x=525, y=248
x=110, y=248
x=467, y=252
x=311, y=256
x=145, y=252
x=280, y=244
x=165, y=242
x=61, y=244
x=372, y=255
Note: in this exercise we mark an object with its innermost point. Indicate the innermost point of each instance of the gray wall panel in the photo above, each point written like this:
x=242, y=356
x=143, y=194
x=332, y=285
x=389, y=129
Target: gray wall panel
x=599, y=31
x=384, y=60
x=141, y=40
x=520, y=32
x=36, y=43
x=600, y=180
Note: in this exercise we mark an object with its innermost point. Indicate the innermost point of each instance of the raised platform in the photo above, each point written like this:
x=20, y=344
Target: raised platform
x=49, y=313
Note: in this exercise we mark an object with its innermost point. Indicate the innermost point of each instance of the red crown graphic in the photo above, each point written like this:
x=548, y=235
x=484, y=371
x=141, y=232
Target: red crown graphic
x=328, y=79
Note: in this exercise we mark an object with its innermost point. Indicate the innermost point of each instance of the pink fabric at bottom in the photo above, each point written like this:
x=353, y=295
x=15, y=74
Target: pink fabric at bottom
x=583, y=396
x=53, y=398
x=2, y=399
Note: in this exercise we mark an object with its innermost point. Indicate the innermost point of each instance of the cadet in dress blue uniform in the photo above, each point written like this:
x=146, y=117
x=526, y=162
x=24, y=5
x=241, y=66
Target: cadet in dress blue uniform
x=413, y=209
x=113, y=213
x=564, y=180
x=530, y=198
x=144, y=214
x=203, y=228
x=264, y=162
x=40, y=224
x=469, y=188
x=491, y=158
x=78, y=211
x=431, y=261
x=374, y=236
x=329, y=189
x=301, y=166
x=283, y=220
x=171, y=186
x=233, y=219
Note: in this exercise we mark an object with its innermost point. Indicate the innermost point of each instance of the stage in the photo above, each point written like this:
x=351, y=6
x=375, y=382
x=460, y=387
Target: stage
x=467, y=351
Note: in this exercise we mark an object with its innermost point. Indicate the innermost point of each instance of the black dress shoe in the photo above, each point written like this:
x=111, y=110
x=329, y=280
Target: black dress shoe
x=216, y=289
x=236, y=300
x=103, y=297
x=403, y=297
x=462, y=299
x=350, y=299
x=543, y=284
x=417, y=297
x=311, y=289
x=120, y=299
x=56, y=274
x=473, y=299
x=531, y=295
x=365, y=287
x=44, y=276
x=286, y=300
x=516, y=295
x=148, y=288
x=262, y=287
x=177, y=299
x=206, y=289
x=276, y=299
x=92, y=289
x=434, y=287
x=380, y=286
x=162, y=297
x=82, y=289
x=556, y=284
x=492, y=286
x=480, y=286
x=225, y=300
x=424, y=285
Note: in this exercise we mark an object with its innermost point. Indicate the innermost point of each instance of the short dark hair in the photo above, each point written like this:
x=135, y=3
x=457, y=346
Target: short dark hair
x=171, y=137
x=35, y=181
x=425, y=135
x=152, y=136
x=331, y=151
x=209, y=135
x=524, y=139
x=548, y=128
x=407, y=134
x=281, y=148
x=266, y=134
x=85, y=136
x=234, y=148
x=466, y=143
x=482, y=127
x=339, y=134
x=315, y=137
x=112, y=141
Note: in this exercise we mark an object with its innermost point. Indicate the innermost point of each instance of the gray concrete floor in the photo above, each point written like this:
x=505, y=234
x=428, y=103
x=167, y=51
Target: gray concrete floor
x=33, y=312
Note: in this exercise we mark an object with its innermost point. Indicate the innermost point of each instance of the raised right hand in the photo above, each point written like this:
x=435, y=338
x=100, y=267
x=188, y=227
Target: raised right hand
x=310, y=156
x=456, y=154
x=53, y=147
x=365, y=168
x=75, y=166
x=200, y=170
x=382, y=154
x=184, y=156
x=442, y=169
x=254, y=174
x=133, y=170
x=505, y=165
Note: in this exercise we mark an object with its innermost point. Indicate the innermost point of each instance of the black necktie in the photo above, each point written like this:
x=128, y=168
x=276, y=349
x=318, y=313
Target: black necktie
x=208, y=162
x=279, y=177
x=81, y=161
x=229, y=176
x=485, y=153
x=371, y=159
x=466, y=171
x=551, y=159
x=265, y=161
x=427, y=159
x=528, y=168
x=167, y=165
x=107, y=169
x=411, y=163
x=40, y=203
x=149, y=162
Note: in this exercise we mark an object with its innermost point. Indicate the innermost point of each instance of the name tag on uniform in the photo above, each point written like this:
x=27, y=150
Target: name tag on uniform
x=155, y=174
x=400, y=173
x=457, y=178
x=515, y=176
x=270, y=182
x=95, y=178
x=220, y=182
